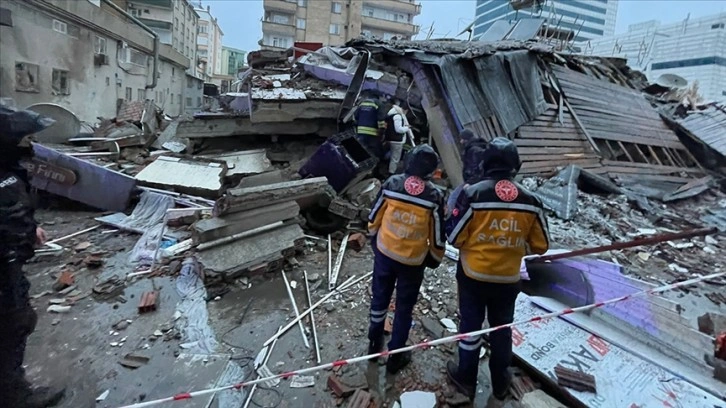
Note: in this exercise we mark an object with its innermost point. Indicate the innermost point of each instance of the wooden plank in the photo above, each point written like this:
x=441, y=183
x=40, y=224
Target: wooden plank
x=651, y=166
x=627, y=153
x=668, y=155
x=555, y=164
x=548, y=150
x=615, y=106
x=611, y=125
x=536, y=157
x=588, y=113
x=641, y=154
x=568, y=124
x=615, y=137
x=652, y=152
x=551, y=143
x=651, y=177
x=577, y=120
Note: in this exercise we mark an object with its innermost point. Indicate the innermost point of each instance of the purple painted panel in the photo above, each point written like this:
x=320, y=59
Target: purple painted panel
x=95, y=186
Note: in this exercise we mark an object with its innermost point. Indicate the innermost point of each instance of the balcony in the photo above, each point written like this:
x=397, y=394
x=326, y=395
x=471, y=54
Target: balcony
x=167, y=4
x=289, y=7
x=404, y=6
x=287, y=30
x=393, y=27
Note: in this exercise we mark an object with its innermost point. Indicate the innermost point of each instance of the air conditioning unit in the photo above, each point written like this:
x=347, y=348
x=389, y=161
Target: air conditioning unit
x=100, y=59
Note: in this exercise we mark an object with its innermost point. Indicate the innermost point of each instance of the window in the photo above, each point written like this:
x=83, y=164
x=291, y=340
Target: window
x=302, y=3
x=173, y=71
x=188, y=102
x=280, y=19
x=140, y=95
x=171, y=100
x=202, y=29
x=199, y=101
x=146, y=11
x=279, y=42
x=179, y=100
x=26, y=77
x=60, y=82
x=128, y=93
x=335, y=29
x=60, y=27
x=135, y=57
x=367, y=11
x=336, y=7
x=176, y=22
x=100, y=45
x=300, y=23
x=717, y=26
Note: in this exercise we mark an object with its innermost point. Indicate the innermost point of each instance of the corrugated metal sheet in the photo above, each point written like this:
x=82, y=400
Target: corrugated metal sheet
x=708, y=126
x=525, y=29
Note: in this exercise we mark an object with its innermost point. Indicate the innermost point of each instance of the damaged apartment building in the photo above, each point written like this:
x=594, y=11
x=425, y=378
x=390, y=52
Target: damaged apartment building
x=89, y=56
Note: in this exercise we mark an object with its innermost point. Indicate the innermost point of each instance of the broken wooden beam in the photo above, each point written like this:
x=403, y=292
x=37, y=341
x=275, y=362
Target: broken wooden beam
x=148, y=302
x=575, y=380
x=219, y=227
x=241, y=199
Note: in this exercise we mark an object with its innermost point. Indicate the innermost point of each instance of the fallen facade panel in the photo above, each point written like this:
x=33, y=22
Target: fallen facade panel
x=197, y=176
x=708, y=126
x=81, y=180
x=623, y=379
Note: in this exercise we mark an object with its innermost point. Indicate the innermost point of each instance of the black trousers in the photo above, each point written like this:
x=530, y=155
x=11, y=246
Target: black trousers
x=387, y=276
x=17, y=322
x=477, y=301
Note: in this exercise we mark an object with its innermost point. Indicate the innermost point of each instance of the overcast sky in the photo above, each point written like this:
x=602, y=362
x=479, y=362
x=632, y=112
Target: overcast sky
x=240, y=19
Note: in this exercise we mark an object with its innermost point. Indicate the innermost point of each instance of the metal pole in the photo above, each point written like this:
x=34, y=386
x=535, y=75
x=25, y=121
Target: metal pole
x=338, y=263
x=294, y=308
x=312, y=319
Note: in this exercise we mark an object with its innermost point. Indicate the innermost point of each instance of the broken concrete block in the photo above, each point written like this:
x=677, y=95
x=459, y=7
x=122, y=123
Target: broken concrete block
x=539, y=399
x=364, y=193
x=241, y=199
x=234, y=258
x=343, y=208
x=245, y=162
x=262, y=179
x=220, y=227
x=181, y=218
x=191, y=176
x=65, y=280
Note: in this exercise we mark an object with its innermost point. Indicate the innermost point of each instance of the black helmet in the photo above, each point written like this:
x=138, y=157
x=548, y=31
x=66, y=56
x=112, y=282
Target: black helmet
x=466, y=135
x=422, y=161
x=15, y=125
x=501, y=159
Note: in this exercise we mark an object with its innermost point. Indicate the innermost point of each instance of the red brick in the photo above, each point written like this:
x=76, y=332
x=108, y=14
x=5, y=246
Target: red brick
x=339, y=389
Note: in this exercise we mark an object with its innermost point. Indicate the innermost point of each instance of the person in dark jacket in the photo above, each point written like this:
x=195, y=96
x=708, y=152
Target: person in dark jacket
x=494, y=223
x=369, y=124
x=473, y=149
x=406, y=225
x=19, y=234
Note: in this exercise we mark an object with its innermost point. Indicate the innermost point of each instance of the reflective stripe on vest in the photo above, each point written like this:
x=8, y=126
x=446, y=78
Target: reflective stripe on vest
x=367, y=130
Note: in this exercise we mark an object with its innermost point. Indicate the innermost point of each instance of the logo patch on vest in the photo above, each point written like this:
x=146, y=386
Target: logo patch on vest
x=506, y=190
x=414, y=185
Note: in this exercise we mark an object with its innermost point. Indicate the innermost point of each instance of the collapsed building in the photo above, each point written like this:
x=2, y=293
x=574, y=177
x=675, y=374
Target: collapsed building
x=276, y=164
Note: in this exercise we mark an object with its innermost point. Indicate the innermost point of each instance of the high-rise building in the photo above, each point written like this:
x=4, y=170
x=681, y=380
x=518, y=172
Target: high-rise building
x=335, y=22
x=175, y=21
x=694, y=49
x=209, y=45
x=588, y=19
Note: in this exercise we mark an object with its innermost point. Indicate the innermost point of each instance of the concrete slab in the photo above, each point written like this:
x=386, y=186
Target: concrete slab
x=198, y=177
x=244, y=162
x=220, y=227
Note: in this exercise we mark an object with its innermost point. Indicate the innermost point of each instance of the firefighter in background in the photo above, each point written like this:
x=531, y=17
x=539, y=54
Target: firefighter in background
x=370, y=123
x=494, y=223
x=406, y=226
x=19, y=235
x=397, y=130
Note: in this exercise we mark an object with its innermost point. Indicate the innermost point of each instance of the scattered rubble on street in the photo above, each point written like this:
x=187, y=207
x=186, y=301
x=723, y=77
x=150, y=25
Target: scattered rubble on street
x=169, y=227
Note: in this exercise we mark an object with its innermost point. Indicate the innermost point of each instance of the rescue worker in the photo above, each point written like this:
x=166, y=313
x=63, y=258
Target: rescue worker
x=494, y=223
x=397, y=129
x=472, y=151
x=19, y=235
x=406, y=227
x=370, y=124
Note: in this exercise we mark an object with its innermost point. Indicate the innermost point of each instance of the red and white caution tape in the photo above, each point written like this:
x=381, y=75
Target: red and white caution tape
x=424, y=345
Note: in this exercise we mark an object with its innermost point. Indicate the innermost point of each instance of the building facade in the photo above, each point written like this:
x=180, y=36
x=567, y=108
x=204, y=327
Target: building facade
x=588, y=19
x=209, y=45
x=233, y=60
x=694, y=49
x=85, y=57
x=335, y=22
x=175, y=21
